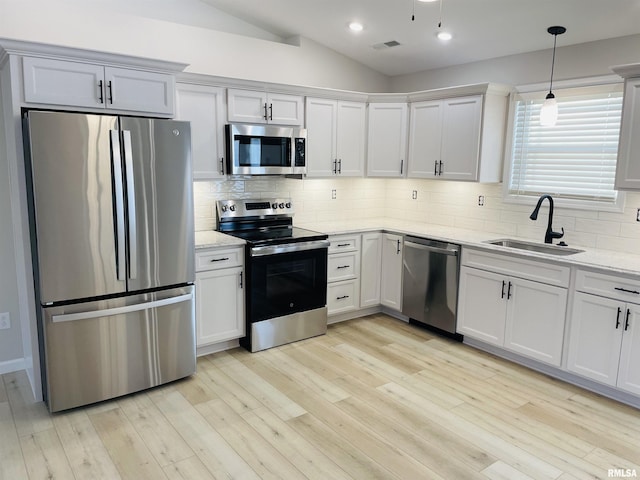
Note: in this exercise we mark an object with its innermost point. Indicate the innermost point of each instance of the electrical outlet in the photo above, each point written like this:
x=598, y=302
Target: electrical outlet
x=334, y=194
x=414, y=194
x=481, y=200
x=5, y=321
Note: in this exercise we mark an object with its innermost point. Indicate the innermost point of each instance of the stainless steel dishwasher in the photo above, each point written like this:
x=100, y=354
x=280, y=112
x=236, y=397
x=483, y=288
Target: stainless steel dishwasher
x=430, y=283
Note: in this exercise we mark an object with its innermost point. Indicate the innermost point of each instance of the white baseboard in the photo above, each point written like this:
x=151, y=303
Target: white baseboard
x=216, y=347
x=9, y=366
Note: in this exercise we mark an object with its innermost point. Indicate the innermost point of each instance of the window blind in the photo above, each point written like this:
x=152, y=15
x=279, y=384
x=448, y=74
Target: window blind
x=576, y=158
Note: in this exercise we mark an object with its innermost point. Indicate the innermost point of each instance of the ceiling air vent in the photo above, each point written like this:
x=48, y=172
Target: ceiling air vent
x=382, y=46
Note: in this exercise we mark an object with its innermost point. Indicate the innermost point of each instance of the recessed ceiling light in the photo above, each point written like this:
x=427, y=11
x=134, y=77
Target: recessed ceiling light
x=444, y=36
x=355, y=27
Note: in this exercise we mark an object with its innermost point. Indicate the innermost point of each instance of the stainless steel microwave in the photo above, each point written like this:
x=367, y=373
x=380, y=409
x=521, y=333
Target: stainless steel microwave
x=265, y=149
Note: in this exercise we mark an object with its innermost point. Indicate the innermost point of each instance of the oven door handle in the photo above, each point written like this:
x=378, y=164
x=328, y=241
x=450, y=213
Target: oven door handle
x=288, y=248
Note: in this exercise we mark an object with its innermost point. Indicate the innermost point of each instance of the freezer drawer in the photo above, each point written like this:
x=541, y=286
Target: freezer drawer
x=104, y=349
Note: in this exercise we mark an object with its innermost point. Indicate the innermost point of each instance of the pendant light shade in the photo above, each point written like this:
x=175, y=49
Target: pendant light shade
x=549, y=110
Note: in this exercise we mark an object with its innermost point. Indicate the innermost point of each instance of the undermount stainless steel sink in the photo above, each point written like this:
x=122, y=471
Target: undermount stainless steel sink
x=535, y=247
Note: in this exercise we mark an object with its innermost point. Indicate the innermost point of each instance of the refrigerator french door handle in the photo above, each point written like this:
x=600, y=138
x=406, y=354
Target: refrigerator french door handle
x=119, y=201
x=131, y=205
x=69, y=317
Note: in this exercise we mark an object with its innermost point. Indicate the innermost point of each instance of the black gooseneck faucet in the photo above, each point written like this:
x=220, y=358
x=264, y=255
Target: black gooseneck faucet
x=549, y=234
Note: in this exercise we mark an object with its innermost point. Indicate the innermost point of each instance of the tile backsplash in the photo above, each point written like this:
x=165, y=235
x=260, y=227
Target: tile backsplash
x=437, y=202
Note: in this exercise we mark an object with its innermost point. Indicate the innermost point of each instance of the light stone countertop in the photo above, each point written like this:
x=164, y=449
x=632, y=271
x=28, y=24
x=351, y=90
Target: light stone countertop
x=608, y=260
x=213, y=239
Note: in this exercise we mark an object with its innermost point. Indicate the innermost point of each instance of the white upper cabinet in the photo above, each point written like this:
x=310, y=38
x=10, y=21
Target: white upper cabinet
x=425, y=139
x=387, y=140
x=77, y=84
x=204, y=107
x=628, y=167
x=335, y=137
x=250, y=106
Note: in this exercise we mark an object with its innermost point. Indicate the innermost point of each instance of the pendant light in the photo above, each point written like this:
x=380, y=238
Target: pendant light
x=549, y=110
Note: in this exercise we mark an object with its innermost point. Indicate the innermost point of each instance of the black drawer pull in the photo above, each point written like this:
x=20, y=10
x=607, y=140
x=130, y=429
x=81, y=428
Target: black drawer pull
x=342, y=297
x=618, y=318
x=343, y=266
x=504, y=284
x=101, y=95
x=620, y=289
x=219, y=259
x=626, y=323
x=344, y=244
x=509, y=291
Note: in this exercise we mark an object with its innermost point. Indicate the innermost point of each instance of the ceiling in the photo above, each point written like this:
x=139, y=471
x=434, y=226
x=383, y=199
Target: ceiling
x=482, y=29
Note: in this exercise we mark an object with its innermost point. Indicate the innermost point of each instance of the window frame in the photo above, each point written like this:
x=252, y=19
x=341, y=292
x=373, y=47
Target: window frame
x=522, y=199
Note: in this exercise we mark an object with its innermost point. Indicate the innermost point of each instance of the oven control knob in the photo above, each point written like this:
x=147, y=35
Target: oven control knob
x=223, y=208
x=274, y=205
x=281, y=205
x=232, y=208
x=288, y=205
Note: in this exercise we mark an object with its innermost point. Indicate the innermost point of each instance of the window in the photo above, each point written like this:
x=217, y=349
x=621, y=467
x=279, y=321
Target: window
x=575, y=160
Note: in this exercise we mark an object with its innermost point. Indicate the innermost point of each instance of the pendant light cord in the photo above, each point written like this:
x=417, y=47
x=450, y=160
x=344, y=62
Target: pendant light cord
x=553, y=62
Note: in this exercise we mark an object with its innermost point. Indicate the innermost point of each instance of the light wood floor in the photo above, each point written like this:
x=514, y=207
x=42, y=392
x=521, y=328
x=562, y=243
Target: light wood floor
x=374, y=398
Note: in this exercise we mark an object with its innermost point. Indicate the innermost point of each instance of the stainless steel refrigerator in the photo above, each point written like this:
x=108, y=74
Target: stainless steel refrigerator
x=111, y=215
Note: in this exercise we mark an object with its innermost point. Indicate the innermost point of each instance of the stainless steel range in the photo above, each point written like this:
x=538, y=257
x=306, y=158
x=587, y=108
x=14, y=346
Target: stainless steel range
x=286, y=272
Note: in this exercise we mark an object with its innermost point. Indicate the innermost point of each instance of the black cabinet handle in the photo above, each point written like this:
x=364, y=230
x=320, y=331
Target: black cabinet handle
x=342, y=266
x=401, y=166
x=509, y=291
x=340, y=165
x=344, y=244
x=110, y=92
x=219, y=259
x=440, y=167
x=342, y=297
x=626, y=322
x=620, y=289
x=241, y=286
x=221, y=165
x=398, y=247
x=435, y=168
x=504, y=284
x=335, y=166
x=265, y=112
x=271, y=111
x=101, y=92
x=618, y=318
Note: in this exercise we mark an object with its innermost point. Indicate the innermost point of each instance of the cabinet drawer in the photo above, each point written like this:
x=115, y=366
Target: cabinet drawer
x=536, y=270
x=344, y=243
x=216, y=258
x=612, y=286
x=343, y=296
x=343, y=266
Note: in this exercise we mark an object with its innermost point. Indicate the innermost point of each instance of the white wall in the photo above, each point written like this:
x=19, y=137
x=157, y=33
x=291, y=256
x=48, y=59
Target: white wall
x=95, y=26
x=576, y=61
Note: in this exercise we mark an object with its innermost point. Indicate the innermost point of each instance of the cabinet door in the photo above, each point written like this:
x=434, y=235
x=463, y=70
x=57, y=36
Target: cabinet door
x=350, y=135
x=285, y=109
x=219, y=306
x=247, y=106
x=535, y=320
x=139, y=91
x=595, y=337
x=391, y=275
x=628, y=168
x=629, y=371
x=425, y=135
x=204, y=107
x=371, y=259
x=57, y=82
x=321, y=137
x=461, y=123
x=387, y=139
x=482, y=305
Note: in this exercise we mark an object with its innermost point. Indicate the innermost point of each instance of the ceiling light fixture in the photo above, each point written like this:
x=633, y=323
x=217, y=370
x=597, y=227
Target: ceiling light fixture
x=355, y=27
x=443, y=35
x=549, y=110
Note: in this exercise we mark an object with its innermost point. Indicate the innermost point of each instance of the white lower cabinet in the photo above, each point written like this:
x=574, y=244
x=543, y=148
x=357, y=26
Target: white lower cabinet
x=518, y=314
x=370, y=261
x=391, y=273
x=343, y=274
x=604, y=340
x=219, y=295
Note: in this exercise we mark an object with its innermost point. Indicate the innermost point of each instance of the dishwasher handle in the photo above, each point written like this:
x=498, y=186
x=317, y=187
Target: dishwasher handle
x=430, y=248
